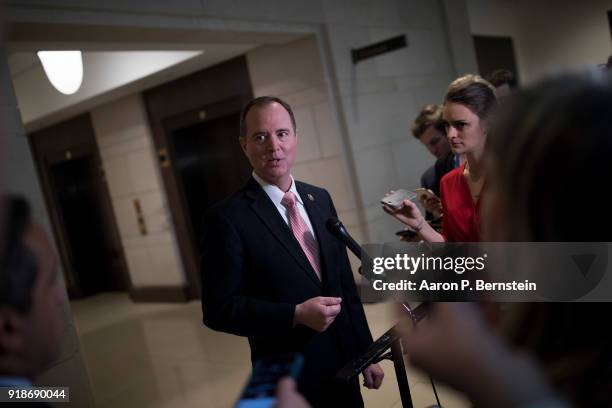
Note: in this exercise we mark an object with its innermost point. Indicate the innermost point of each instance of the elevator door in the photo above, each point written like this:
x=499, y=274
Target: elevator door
x=210, y=165
x=77, y=197
x=94, y=259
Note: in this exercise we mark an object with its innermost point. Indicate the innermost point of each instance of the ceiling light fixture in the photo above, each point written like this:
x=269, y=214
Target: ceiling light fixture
x=64, y=69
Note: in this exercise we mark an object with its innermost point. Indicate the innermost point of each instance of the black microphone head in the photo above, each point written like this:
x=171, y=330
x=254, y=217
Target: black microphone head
x=336, y=228
x=333, y=225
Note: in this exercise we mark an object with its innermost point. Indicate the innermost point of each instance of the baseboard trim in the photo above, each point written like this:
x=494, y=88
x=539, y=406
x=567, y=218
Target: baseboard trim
x=160, y=294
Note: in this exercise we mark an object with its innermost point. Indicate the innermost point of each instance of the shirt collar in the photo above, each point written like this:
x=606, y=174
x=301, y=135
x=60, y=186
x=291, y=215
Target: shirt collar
x=275, y=193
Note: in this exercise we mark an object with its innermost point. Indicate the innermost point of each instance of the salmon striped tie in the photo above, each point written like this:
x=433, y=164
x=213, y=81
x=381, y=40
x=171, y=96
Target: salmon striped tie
x=301, y=232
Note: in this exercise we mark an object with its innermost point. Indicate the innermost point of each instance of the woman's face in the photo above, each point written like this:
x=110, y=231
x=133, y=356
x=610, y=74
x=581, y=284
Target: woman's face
x=465, y=131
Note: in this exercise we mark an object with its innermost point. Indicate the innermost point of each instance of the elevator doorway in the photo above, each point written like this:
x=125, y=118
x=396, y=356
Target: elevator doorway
x=210, y=165
x=72, y=179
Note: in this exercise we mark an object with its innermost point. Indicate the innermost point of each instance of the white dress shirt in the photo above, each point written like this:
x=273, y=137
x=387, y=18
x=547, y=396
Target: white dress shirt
x=276, y=195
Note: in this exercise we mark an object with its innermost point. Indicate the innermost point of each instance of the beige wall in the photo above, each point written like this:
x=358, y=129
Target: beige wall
x=128, y=157
x=549, y=36
x=381, y=96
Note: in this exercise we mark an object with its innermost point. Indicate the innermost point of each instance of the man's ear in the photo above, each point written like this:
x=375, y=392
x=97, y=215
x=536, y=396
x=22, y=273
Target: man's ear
x=12, y=326
x=242, y=141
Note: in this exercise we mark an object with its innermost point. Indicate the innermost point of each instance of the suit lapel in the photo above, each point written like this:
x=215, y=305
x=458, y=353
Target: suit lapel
x=267, y=212
x=312, y=204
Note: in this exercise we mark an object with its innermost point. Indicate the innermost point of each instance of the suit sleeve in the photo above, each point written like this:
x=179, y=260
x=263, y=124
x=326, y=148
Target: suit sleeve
x=224, y=305
x=351, y=299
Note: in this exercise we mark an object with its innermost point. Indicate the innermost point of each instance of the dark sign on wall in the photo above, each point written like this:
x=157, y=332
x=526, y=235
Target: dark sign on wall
x=382, y=47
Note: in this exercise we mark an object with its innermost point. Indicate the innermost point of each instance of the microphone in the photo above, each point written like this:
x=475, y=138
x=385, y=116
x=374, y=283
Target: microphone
x=337, y=229
x=374, y=353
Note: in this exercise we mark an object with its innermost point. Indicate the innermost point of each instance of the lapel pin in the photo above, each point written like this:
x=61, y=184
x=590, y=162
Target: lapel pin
x=310, y=197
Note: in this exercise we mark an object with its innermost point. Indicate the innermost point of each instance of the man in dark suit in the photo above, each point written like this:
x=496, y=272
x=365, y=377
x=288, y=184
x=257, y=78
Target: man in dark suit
x=272, y=272
x=428, y=128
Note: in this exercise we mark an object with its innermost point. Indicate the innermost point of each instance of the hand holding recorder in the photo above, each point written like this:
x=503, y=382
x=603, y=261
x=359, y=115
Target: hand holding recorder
x=399, y=204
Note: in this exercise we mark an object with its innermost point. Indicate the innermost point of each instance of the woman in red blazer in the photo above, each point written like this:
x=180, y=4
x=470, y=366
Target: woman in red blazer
x=468, y=104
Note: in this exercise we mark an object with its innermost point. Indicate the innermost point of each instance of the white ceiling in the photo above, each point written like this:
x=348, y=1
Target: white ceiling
x=123, y=51
x=107, y=75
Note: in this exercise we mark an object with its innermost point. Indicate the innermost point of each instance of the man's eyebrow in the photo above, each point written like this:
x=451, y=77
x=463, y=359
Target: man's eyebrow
x=282, y=130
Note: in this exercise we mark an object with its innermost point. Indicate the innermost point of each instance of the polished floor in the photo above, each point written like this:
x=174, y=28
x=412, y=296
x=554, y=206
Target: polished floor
x=161, y=355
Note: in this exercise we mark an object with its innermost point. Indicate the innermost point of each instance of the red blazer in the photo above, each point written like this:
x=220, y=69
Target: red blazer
x=461, y=222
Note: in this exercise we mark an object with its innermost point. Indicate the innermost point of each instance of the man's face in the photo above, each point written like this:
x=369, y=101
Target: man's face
x=44, y=325
x=270, y=143
x=435, y=141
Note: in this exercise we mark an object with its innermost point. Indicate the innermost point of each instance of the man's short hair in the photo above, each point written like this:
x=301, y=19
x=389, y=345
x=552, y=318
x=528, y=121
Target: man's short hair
x=430, y=115
x=18, y=264
x=501, y=77
x=262, y=101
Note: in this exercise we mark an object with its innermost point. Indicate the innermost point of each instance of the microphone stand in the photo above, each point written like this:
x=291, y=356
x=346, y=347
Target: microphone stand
x=386, y=347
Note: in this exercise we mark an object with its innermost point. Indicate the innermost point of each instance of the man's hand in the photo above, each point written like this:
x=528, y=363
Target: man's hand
x=318, y=312
x=287, y=395
x=433, y=205
x=373, y=376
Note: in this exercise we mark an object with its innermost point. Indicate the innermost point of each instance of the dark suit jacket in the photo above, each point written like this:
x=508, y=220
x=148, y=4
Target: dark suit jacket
x=443, y=165
x=254, y=272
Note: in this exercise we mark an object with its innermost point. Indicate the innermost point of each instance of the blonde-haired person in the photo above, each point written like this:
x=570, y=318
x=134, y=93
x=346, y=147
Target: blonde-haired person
x=468, y=105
